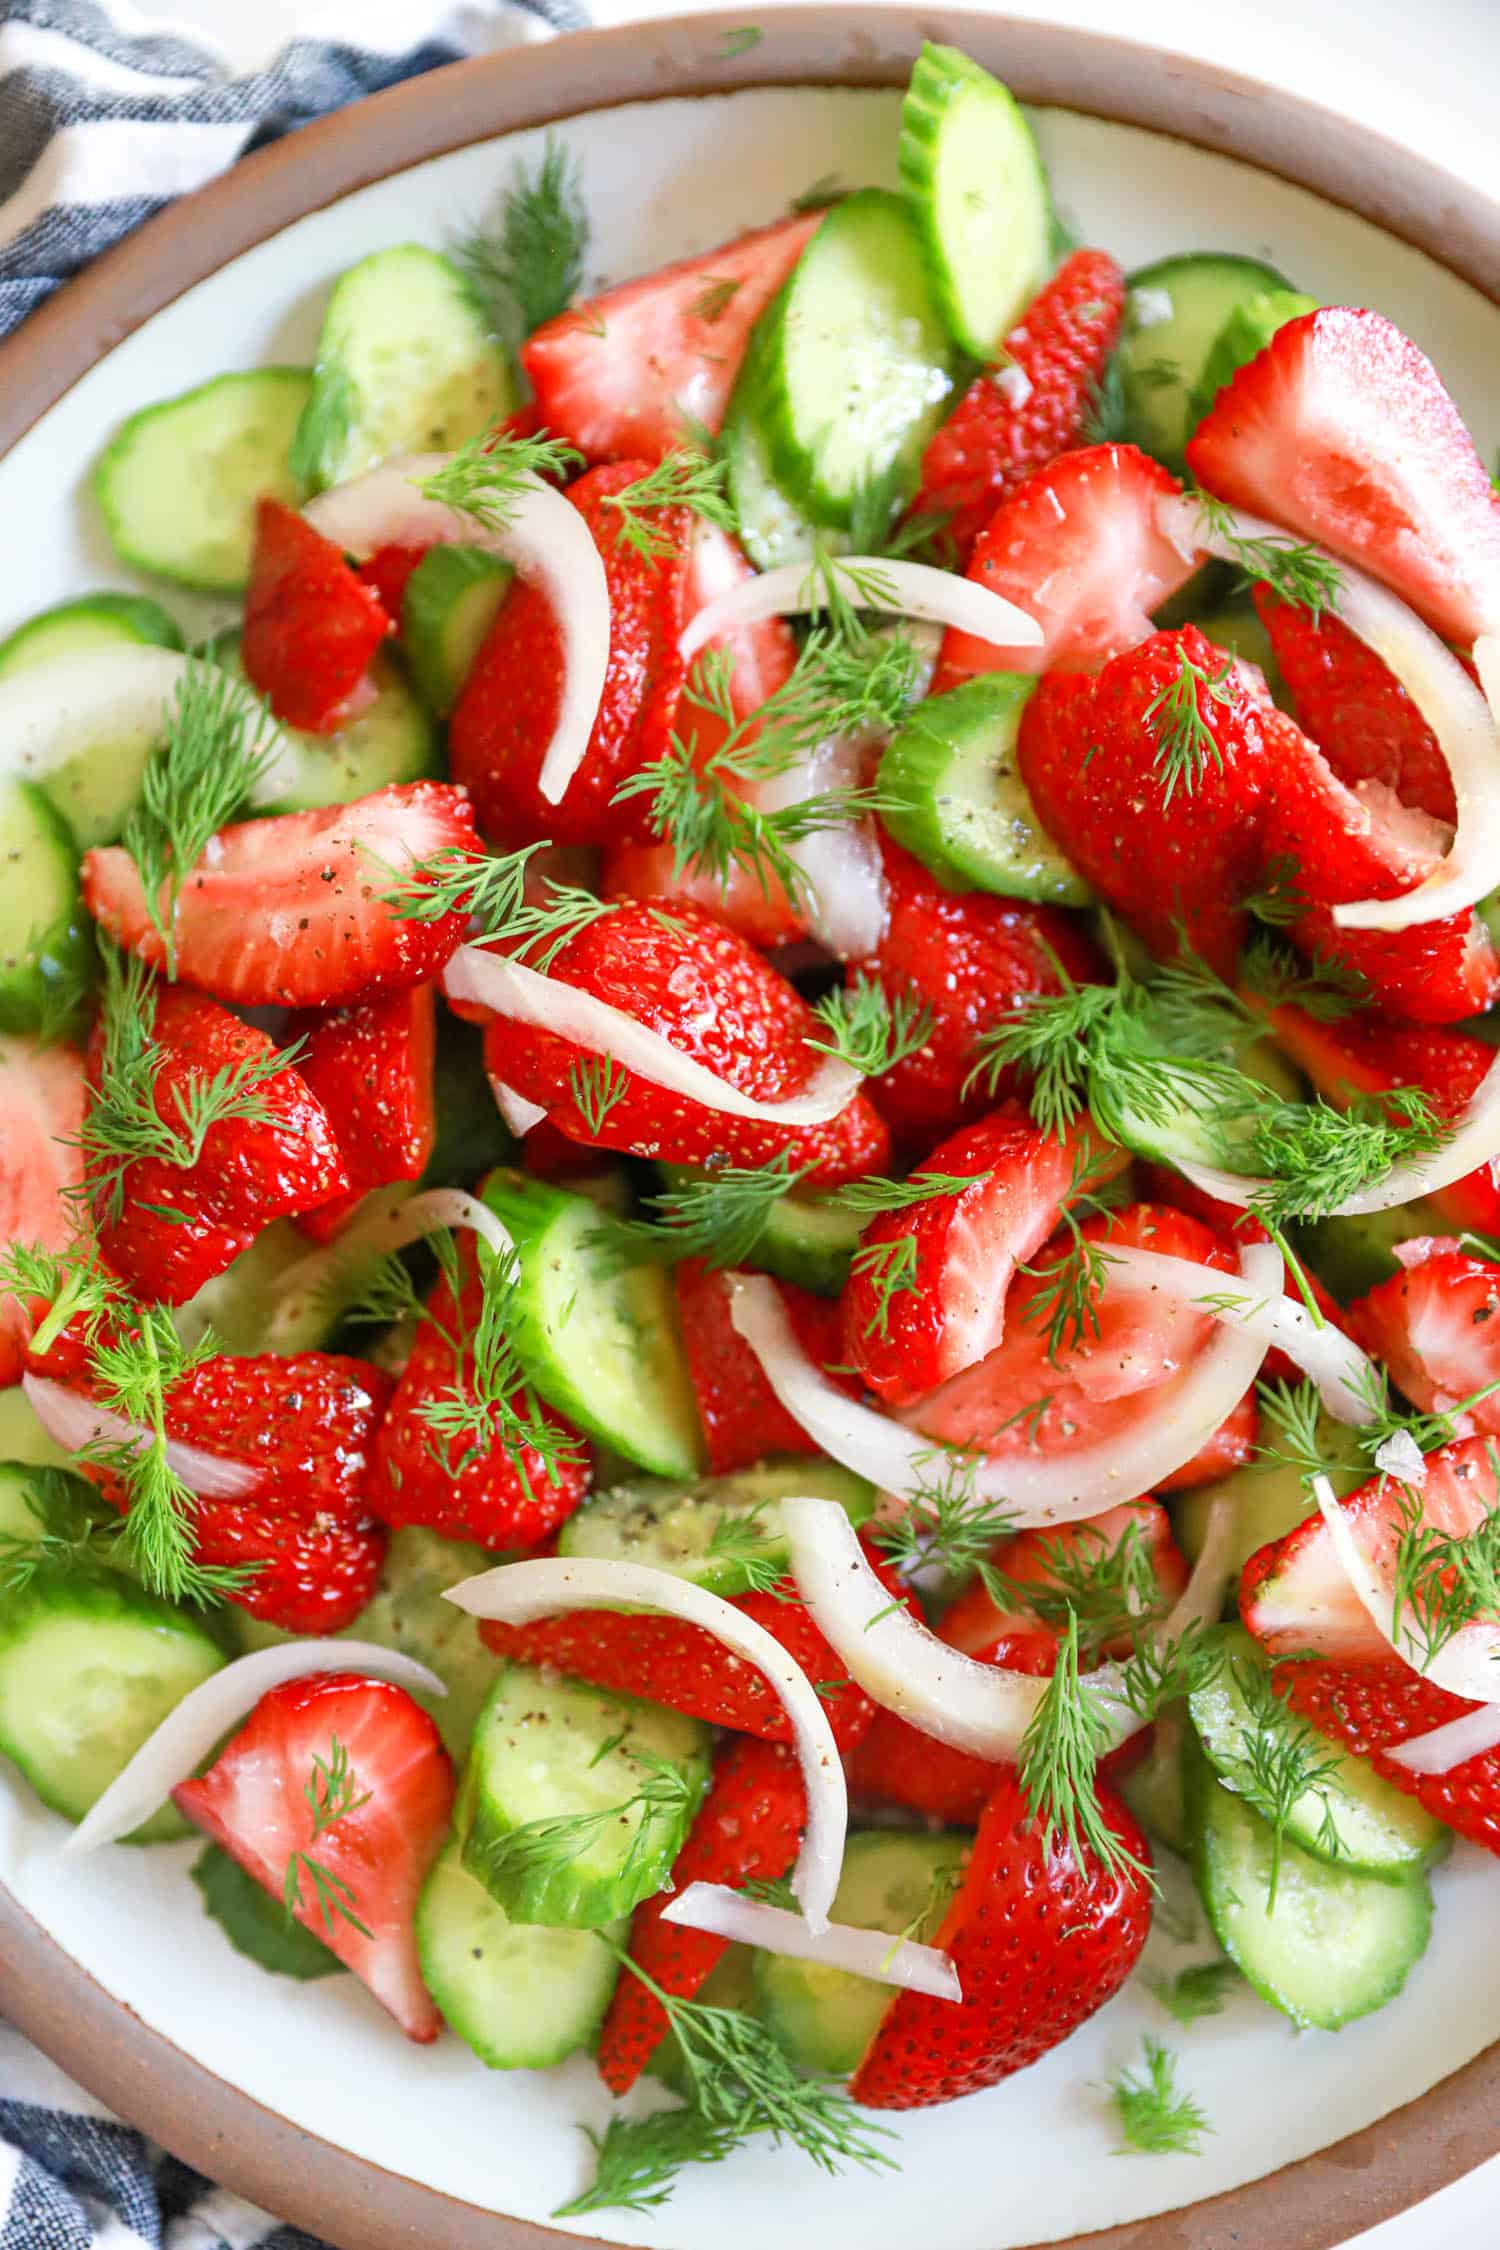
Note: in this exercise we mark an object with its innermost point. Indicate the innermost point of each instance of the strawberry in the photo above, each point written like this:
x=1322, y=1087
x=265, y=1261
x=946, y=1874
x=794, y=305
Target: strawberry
x=1160, y=1184
x=1355, y=709
x=1077, y=547
x=1039, y=1941
x=338, y=1739
x=304, y=1577
x=289, y=912
x=371, y=1065
x=1175, y=853
x=896, y=1764
x=1434, y=1327
x=42, y=1096
x=969, y=959
x=631, y=371
x=1342, y=431
x=1369, y=1708
x=312, y=623
x=170, y=1228
x=747, y=1830
x=709, y=992
x=1017, y=1639
x=504, y=718
x=743, y=1420
x=1333, y=843
x=386, y=573
x=459, y=1485
x=1032, y=405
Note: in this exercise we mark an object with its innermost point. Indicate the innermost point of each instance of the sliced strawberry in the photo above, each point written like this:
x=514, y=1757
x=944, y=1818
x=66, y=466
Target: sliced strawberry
x=1077, y=547
x=747, y=1830
x=1341, y=430
x=1039, y=1941
x=42, y=1094
x=1370, y=1708
x=897, y=1765
x=1232, y=1446
x=1436, y=1327
x=633, y=370
x=708, y=991
x=303, y=1577
x=1032, y=405
x=1020, y=1641
x=257, y=1801
x=743, y=1420
x=312, y=623
x=288, y=912
x=969, y=959
x=387, y=572
x=371, y=1066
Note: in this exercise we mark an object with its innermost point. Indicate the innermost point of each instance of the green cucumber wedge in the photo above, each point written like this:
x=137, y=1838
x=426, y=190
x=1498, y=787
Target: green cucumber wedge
x=975, y=185
x=772, y=528
x=730, y=1983
x=724, y=1533
x=1174, y=312
x=46, y=947
x=392, y=740
x=1266, y=1499
x=22, y=1438
x=93, y=621
x=408, y=1612
x=1247, y=331
x=178, y=482
x=452, y=599
x=808, y=1239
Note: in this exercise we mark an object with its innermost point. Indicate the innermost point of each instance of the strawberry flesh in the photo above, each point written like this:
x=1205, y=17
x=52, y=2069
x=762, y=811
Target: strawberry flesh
x=312, y=623
x=42, y=1097
x=1436, y=1328
x=371, y=1065
x=743, y=1419
x=1370, y=1708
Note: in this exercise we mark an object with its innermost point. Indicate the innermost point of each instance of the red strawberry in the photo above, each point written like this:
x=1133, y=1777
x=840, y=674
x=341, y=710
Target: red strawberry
x=630, y=371
x=42, y=1092
x=1435, y=1327
x=455, y=1483
x=370, y=1066
x=1335, y=844
x=1174, y=856
x=172, y=1227
x=1160, y=1184
x=1341, y=430
x=747, y=1830
x=1039, y=1941
x=1034, y=404
x=1370, y=1708
x=898, y=1765
x=305, y=1577
x=1231, y=1447
x=312, y=623
x=1077, y=547
x=288, y=912
x=1357, y=711
x=1017, y=1639
x=387, y=572
x=257, y=1801
x=709, y=992
x=970, y=959
x=743, y=1420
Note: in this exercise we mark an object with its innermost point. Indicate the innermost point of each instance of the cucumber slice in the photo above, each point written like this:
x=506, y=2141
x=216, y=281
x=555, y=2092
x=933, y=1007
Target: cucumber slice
x=46, y=950
x=452, y=599
x=807, y=1239
x=93, y=621
x=858, y=362
x=1352, y=1256
x=730, y=1983
x=392, y=740
x=407, y=1612
x=406, y=363
x=1268, y=1499
x=22, y=1437
x=724, y=1533
x=178, y=482
x=1155, y=1790
x=825, y=2018
x=956, y=799
x=1351, y=1817
x=1173, y=315
x=597, y=1338
x=250, y=1308
x=546, y=1749
x=522, y=1996
x=256, y=1924
x=1336, y=1944
x=1247, y=331
x=88, y=1669
x=772, y=528
x=975, y=185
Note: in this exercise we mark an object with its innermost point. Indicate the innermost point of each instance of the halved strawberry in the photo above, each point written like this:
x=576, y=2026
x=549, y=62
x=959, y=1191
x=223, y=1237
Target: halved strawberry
x=1370, y=1708
x=304, y=1578
x=42, y=1095
x=1016, y=1638
x=387, y=572
x=370, y=1065
x=1341, y=430
x=743, y=1420
x=630, y=371
x=312, y=623
x=747, y=1830
x=258, y=1801
x=289, y=912
x=896, y=1764
x=1436, y=1327
x=1077, y=547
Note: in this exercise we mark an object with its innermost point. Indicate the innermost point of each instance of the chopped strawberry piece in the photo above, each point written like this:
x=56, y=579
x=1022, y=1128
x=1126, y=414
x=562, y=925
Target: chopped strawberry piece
x=1232, y=1446
x=898, y=1765
x=371, y=1066
x=258, y=1801
x=305, y=1578
x=312, y=623
x=42, y=1094
x=1018, y=1639
x=387, y=572
x=1436, y=1327
x=743, y=1420
x=1370, y=1708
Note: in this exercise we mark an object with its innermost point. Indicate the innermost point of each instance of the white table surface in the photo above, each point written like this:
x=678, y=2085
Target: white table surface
x=1426, y=72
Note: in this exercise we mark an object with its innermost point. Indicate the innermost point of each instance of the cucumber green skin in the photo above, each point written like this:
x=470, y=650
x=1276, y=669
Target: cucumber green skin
x=256, y=1924
x=671, y=1526
x=46, y=937
x=957, y=802
x=772, y=528
x=1205, y=286
x=22, y=1438
x=523, y=1997
x=93, y=621
x=68, y=1718
x=1351, y=1256
x=597, y=1340
x=1267, y=1499
x=1247, y=331
x=393, y=740
x=806, y=1238
x=452, y=599
x=730, y=1983
x=982, y=287
x=1155, y=1789
x=206, y=457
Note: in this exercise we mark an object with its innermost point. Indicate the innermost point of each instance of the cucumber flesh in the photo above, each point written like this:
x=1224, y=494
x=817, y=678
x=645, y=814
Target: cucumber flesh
x=46, y=951
x=1267, y=1499
x=1174, y=312
x=720, y=1532
x=807, y=1239
x=1351, y=1256
x=22, y=1437
x=1247, y=331
x=179, y=481
x=772, y=528
x=408, y=1612
x=251, y=1308
x=1155, y=1787
x=452, y=599
x=93, y=621
x=391, y=740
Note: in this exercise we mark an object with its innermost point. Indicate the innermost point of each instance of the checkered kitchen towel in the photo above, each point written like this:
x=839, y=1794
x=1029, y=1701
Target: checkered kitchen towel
x=102, y=121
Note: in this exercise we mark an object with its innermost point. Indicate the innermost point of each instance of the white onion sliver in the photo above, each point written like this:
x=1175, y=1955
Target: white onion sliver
x=863, y=1953
x=75, y=1421
x=1201, y=1601
x=397, y=1225
x=1467, y=1665
x=206, y=1714
x=545, y=538
x=524, y=996
x=520, y=1592
x=899, y=589
x=845, y=899
x=1445, y=1747
x=519, y=1115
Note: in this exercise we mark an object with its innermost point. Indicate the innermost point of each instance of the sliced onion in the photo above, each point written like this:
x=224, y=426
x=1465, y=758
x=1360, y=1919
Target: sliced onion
x=520, y=1592
x=727, y=1913
x=846, y=902
x=1467, y=1665
x=524, y=996
x=393, y=1226
x=76, y=1422
x=899, y=589
x=546, y=539
x=1463, y=721
x=1452, y=1745
x=519, y=1114
x=206, y=1715
x=1201, y=1601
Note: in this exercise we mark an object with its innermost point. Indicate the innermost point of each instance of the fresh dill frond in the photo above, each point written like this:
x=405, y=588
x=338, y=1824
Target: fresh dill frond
x=1280, y=1760
x=1107, y=417
x=73, y=1532
x=1295, y=571
x=872, y=1195
x=1110, y=1590
x=525, y=263
x=739, y=1537
x=948, y=1523
x=1323, y=987
x=542, y=1847
x=890, y=1271
x=1049, y=1036
x=1198, y=1992
x=1279, y=899
x=1067, y=1735
x=598, y=1085
x=490, y=1400
x=872, y=1029
x=683, y=478
x=487, y=477
x=331, y=1793
x=1185, y=743
x=1443, y=1582
x=1156, y=2117
x=639, y=2159
x=1067, y=1302
x=1164, y=1670
x=1317, y=1156
x=533, y=918
x=718, y=1217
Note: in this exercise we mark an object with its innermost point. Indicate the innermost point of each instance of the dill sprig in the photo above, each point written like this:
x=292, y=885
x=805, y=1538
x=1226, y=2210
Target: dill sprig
x=525, y=264
x=1280, y=1760
x=598, y=1085
x=1323, y=987
x=684, y=478
x=948, y=1523
x=1109, y=1590
x=1197, y=1992
x=1067, y=1303
x=872, y=1029
x=488, y=476
x=890, y=1270
x=554, y=1840
x=1294, y=571
x=532, y=918
x=739, y=1538
x=1443, y=1581
x=1156, y=2117
x=1107, y=417
x=1185, y=743
x=718, y=1217
x=1065, y=1738
x=74, y=1530
x=874, y=1195
x=1165, y=1670
x=639, y=2158
x=331, y=1793
x=1317, y=1156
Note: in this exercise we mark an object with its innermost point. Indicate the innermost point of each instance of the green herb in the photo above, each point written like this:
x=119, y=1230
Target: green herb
x=1324, y=987
x=1197, y=1992
x=720, y=1217
x=1292, y=1412
x=541, y=1847
x=1050, y=1037
x=1156, y=2117
x=1107, y=417
x=714, y=300
x=681, y=479
x=872, y=1195
x=1281, y=1759
x=1294, y=571
x=1073, y=1282
x=73, y=1531
x=535, y=919
x=740, y=1537
x=890, y=1270
x=487, y=478
x=947, y=1524
x=1065, y=1738
x=1186, y=744
x=843, y=588
x=1443, y=1581
x=331, y=1793
x=598, y=1084
x=639, y=2159
x=526, y=264
x=1165, y=1669
x=871, y=1029
x=1280, y=898
x=1317, y=1156
x=1108, y=1589
x=776, y=1890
